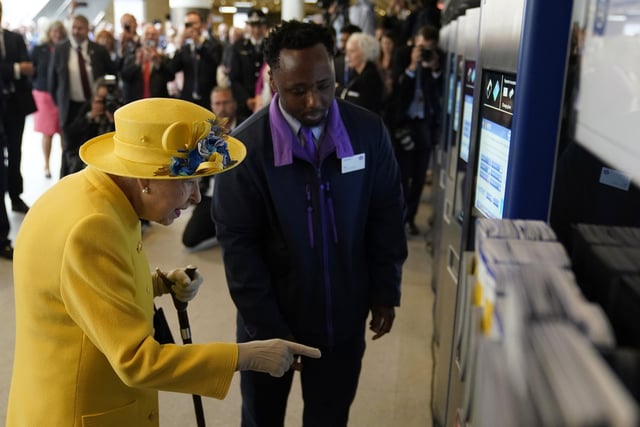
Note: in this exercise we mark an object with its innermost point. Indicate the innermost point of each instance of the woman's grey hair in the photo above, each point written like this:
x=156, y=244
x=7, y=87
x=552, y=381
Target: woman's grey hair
x=46, y=36
x=369, y=46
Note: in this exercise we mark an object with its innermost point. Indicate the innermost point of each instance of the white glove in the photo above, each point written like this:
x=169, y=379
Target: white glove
x=273, y=357
x=184, y=288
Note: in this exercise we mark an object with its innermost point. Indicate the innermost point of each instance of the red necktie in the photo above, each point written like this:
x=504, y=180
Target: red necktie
x=84, y=77
x=146, y=73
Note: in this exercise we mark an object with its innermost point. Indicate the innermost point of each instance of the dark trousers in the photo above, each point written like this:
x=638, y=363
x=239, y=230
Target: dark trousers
x=413, y=166
x=14, y=128
x=4, y=217
x=71, y=161
x=200, y=226
x=328, y=388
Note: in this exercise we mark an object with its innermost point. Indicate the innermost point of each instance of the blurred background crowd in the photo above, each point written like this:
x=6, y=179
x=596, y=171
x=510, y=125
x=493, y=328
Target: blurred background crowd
x=72, y=73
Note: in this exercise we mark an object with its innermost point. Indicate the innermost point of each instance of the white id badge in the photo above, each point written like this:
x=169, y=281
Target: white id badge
x=353, y=163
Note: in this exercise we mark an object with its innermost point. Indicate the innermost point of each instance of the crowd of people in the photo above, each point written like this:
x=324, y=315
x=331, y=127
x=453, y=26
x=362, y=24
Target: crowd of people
x=58, y=74
x=338, y=130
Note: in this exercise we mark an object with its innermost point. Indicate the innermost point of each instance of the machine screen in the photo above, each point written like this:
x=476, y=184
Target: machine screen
x=496, y=113
x=467, y=109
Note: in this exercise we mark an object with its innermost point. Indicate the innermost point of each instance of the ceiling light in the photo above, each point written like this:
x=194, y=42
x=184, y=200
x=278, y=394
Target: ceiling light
x=227, y=9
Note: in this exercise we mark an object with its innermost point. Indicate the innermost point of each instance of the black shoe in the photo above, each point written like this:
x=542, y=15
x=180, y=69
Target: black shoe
x=413, y=229
x=6, y=251
x=18, y=205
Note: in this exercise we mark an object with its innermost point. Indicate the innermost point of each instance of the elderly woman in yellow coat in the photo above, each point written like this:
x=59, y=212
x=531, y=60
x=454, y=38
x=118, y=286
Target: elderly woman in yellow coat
x=85, y=353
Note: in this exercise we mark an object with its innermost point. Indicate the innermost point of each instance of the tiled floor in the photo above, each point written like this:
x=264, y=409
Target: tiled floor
x=395, y=382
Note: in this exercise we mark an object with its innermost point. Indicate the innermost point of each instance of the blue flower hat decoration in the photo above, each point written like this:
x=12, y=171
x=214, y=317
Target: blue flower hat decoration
x=198, y=148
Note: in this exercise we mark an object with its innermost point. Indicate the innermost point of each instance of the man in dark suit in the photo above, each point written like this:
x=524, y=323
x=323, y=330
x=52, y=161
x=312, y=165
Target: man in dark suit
x=15, y=70
x=198, y=59
x=246, y=62
x=6, y=250
x=419, y=105
x=146, y=71
x=128, y=41
x=71, y=87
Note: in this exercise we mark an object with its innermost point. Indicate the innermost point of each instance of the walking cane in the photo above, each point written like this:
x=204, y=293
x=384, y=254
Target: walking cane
x=185, y=332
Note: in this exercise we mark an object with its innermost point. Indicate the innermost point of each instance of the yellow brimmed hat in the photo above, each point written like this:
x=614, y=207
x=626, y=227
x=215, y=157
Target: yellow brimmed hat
x=164, y=138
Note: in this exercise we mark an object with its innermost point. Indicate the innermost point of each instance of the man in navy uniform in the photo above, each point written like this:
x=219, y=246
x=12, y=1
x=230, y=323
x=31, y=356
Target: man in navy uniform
x=246, y=61
x=311, y=227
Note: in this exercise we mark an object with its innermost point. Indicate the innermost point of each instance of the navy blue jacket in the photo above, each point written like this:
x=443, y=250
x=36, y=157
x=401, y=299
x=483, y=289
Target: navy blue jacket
x=18, y=96
x=40, y=57
x=308, y=251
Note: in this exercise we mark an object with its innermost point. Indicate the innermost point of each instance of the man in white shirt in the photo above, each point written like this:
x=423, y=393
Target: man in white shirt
x=69, y=88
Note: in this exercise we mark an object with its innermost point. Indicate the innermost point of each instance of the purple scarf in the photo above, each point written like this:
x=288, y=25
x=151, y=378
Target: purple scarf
x=286, y=145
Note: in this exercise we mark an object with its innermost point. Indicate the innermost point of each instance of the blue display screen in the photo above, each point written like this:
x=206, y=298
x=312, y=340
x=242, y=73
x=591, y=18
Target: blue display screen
x=465, y=137
x=452, y=82
x=496, y=113
x=467, y=109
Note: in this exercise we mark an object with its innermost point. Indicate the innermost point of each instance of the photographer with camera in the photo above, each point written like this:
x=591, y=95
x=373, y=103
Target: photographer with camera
x=95, y=118
x=146, y=71
x=418, y=105
x=198, y=59
x=129, y=40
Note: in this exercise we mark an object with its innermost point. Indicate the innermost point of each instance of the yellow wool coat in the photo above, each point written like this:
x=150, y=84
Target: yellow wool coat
x=85, y=353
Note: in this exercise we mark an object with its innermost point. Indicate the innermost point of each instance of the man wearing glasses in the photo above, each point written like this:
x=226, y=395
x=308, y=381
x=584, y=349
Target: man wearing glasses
x=198, y=59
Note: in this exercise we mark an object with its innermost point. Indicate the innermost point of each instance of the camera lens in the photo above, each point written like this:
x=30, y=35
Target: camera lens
x=427, y=55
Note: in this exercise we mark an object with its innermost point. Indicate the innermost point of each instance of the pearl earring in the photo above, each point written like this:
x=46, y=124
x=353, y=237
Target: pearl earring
x=145, y=190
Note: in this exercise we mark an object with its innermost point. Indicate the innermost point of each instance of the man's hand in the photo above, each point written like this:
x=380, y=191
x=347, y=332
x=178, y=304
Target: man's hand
x=97, y=107
x=381, y=320
x=416, y=58
x=26, y=68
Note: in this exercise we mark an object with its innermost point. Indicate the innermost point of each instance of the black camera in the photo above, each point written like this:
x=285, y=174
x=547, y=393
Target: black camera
x=112, y=99
x=127, y=28
x=427, y=55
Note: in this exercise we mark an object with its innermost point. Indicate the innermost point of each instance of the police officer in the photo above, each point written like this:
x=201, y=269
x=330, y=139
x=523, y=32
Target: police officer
x=246, y=61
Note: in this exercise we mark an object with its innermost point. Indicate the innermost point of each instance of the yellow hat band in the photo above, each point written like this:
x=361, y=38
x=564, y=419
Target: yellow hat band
x=140, y=153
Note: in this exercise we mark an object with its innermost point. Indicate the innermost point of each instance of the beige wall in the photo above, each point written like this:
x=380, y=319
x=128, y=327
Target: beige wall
x=156, y=9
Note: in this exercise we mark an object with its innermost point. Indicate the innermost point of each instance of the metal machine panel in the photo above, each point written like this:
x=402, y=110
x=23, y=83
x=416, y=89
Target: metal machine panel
x=449, y=246
x=443, y=293
x=523, y=47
